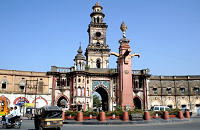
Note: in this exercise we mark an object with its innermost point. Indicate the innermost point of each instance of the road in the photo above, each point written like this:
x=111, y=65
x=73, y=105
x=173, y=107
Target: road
x=192, y=125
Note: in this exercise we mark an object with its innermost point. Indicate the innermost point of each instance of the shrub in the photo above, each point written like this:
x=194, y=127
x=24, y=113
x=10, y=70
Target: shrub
x=174, y=111
x=88, y=113
x=136, y=111
x=153, y=113
x=72, y=113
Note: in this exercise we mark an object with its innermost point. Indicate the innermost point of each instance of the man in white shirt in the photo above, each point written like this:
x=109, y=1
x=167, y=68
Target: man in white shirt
x=17, y=112
x=10, y=115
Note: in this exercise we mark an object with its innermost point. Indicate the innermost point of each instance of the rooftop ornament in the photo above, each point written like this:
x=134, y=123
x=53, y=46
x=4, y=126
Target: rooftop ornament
x=123, y=27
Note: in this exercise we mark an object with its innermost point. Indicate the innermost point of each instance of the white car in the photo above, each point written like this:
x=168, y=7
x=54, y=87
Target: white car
x=159, y=108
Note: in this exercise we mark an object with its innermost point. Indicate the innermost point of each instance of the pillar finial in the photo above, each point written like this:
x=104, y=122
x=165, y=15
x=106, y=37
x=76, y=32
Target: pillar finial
x=123, y=27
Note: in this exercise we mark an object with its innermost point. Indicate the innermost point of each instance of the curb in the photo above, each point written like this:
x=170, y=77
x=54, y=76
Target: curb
x=120, y=122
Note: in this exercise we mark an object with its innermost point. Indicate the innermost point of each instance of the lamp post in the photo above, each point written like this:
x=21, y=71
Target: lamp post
x=31, y=84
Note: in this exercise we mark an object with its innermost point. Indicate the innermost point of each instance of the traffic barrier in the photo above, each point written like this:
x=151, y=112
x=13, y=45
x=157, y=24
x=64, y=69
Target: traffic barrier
x=80, y=116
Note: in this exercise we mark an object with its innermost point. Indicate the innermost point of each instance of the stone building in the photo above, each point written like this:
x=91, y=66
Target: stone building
x=73, y=87
x=25, y=87
x=175, y=91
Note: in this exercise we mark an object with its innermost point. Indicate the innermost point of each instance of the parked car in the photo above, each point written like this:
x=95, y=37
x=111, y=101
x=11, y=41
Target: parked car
x=159, y=108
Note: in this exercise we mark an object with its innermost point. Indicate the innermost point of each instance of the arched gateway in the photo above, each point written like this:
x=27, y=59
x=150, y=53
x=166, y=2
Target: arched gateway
x=102, y=90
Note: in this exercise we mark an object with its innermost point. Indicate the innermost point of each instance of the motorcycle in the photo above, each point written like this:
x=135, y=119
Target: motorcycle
x=14, y=122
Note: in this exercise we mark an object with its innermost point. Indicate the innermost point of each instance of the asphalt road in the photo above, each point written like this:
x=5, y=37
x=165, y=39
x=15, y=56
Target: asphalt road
x=192, y=125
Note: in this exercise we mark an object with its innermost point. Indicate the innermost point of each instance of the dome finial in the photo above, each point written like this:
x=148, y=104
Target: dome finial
x=80, y=50
x=97, y=3
x=123, y=27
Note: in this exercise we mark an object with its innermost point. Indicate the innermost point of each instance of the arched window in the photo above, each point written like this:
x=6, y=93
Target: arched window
x=79, y=91
x=79, y=80
x=68, y=81
x=22, y=85
x=82, y=94
x=97, y=19
x=80, y=66
x=98, y=44
x=3, y=85
x=87, y=92
x=40, y=87
x=98, y=64
x=75, y=91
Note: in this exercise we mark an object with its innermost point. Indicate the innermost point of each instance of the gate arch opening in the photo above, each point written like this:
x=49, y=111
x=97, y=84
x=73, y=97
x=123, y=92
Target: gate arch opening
x=62, y=102
x=137, y=103
x=104, y=98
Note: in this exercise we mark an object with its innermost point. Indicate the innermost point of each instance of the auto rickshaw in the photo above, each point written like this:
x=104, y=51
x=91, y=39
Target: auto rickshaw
x=29, y=113
x=48, y=117
x=4, y=106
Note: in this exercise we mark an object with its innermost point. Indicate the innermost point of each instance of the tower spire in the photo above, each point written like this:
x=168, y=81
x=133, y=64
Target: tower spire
x=97, y=15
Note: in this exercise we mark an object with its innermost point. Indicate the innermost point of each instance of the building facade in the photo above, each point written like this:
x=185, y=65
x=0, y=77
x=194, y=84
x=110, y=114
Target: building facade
x=21, y=87
x=73, y=87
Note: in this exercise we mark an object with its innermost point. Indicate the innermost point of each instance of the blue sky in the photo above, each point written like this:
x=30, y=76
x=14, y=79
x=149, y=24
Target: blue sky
x=37, y=34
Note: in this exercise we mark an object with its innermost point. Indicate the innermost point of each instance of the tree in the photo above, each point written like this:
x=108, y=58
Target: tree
x=96, y=101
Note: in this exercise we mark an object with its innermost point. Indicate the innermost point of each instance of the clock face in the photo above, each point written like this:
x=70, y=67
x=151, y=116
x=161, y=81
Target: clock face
x=98, y=34
x=126, y=71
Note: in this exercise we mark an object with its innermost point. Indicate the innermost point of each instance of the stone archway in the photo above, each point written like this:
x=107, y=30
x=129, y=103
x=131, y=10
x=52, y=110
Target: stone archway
x=63, y=102
x=104, y=97
x=137, y=103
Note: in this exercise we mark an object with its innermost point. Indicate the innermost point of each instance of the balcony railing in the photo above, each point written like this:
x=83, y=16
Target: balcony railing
x=61, y=69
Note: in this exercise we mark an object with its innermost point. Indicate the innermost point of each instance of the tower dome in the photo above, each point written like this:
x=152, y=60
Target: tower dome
x=79, y=56
x=97, y=15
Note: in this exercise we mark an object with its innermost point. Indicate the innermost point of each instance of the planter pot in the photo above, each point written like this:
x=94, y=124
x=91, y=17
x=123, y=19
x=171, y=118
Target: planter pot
x=159, y=116
x=112, y=117
x=70, y=117
x=172, y=116
x=102, y=117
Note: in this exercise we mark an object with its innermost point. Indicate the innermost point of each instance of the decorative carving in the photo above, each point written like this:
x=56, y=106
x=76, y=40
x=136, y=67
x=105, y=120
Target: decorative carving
x=98, y=82
x=123, y=27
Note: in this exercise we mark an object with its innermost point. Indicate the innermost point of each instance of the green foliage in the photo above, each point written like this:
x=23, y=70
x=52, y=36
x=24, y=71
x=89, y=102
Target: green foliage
x=96, y=101
x=136, y=111
x=88, y=113
x=173, y=111
x=90, y=109
x=87, y=67
x=72, y=113
x=85, y=113
x=115, y=112
x=119, y=108
x=153, y=113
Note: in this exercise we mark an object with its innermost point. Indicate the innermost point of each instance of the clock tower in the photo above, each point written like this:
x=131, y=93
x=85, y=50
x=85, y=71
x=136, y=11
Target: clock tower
x=97, y=52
